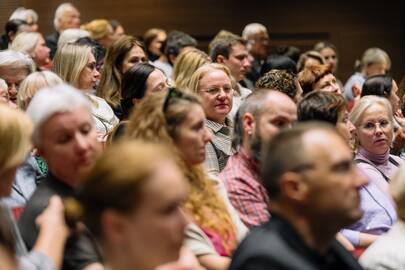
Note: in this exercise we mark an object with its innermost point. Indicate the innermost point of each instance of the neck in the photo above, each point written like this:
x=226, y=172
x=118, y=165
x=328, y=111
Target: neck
x=119, y=260
x=316, y=235
x=375, y=158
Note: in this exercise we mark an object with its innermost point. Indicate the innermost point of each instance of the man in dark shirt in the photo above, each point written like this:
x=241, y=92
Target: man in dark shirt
x=65, y=136
x=314, y=192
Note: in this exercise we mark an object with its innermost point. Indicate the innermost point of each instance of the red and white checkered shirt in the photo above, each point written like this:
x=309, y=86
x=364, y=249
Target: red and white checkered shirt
x=246, y=193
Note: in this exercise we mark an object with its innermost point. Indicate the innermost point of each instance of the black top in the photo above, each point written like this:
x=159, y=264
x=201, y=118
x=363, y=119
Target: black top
x=80, y=250
x=276, y=245
x=52, y=43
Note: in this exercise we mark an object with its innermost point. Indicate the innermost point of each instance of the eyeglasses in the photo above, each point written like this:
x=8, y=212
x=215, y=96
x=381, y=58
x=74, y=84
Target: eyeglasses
x=172, y=93
x=214, y=91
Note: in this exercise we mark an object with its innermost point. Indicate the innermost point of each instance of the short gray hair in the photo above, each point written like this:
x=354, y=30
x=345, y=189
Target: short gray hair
x=71, y=35
x=13, y=59
x=366, y=102
x=50, y=101
x=26, y=42
x=60, y=10
x=252, y=29
x=22, y=13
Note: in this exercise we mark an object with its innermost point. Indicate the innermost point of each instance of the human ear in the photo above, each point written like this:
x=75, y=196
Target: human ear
x=113, y=226
x=293, y=187
x=220, y=59
x=249, y=123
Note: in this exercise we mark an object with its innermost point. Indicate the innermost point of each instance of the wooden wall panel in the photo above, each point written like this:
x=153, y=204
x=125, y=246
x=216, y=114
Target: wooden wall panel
x=352, y=26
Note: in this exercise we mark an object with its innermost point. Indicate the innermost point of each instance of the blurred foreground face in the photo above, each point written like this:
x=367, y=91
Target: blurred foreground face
x=153, y=234
x=69, y=144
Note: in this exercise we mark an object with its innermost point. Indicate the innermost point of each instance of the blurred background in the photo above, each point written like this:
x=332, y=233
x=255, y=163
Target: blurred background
x=353, y=26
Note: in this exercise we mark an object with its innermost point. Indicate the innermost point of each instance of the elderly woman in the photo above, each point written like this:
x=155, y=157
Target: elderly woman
x=76, y=65
x=14, y=67
x=318, y=78
x=213, y=83
x=28, y=15
x=65, y=136
x=47, y=250
x=387, y=252
x=148, y=229
x=177, y=119
x=121, y=56
x=33, y=44
x=373, y=120
x=139, y=81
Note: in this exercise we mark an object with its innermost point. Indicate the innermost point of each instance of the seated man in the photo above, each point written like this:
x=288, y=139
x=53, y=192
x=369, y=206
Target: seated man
x=259, y=118
x=314, y=192
x=65, y=137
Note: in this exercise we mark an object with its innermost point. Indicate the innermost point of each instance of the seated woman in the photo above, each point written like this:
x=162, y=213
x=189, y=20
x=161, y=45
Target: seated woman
x=154, y=39
x=213, y=83
x=177, y=119
x=387, y=252
x=135, y=213
x=121, y=56
x=139, y=81
x=76, y=65
x=318, y=78
x=33, y=44
x=373, y=119
x=47, y=250
x=310, y=58
x=101, y=31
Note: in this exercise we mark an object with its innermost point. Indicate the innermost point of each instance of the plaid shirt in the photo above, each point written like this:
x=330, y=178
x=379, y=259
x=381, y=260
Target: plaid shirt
x=246, y=193
x=220, y=148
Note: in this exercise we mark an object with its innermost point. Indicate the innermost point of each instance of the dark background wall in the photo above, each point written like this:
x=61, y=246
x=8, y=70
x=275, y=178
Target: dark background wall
x=352, y=26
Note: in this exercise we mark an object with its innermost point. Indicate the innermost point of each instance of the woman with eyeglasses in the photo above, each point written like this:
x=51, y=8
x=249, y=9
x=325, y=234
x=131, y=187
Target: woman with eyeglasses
x=372, y=116
x=212, y=82
x=177, y=119
x=76, y=65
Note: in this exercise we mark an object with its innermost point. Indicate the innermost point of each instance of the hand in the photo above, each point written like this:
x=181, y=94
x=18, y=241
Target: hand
x=52, y=219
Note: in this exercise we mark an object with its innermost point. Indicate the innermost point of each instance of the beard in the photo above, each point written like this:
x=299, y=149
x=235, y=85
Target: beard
x=256, y=147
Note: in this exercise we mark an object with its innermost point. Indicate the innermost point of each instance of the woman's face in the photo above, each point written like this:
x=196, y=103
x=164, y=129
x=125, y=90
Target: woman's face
x=156, y=43
x=156, y=82
x=393, y=98
x=345, y=128
x=154, y=233
x=217, y=94
x=135, y=56
x=89, y=75
x=330, y=58
x=375, y=132
x=192, y=136
x=41, y=53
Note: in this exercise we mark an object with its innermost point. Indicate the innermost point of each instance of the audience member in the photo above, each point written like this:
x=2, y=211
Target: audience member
x=33, y=44
x=310, y=58
x=213, y=83
x=329, y=54
x=11, y=30
x=118, y=29
x=175, y=42
x=14, y=67
x=66, y=16
x=76, y=65
x=188, y=61
x=314, y=192
x=71, y=35
x=230, y=50
x=318, y=78
x=386, y=252
x=154, y=40
x=101, y=31
x=177, y=119
x=46, y=252
x=121, y=56
x=259, y=118
x=139, y=81
x=28, y=15
x=65, y=136
x=283, y=81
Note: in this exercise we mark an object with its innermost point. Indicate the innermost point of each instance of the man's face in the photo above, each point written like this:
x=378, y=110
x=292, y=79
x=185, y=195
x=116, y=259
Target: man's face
x=332, y=180
x=70, y=19
x=238, y=61
x=69, y=144
x=279, y=112
x=259, y=45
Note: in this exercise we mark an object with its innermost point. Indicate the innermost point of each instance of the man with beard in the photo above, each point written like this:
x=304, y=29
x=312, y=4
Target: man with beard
x=259, y=118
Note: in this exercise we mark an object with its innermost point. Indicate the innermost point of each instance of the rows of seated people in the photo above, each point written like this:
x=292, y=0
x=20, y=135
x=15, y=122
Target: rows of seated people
x=125, y=153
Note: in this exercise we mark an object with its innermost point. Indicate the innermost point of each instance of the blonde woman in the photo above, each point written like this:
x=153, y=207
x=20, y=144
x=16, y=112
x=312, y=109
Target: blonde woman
x=101, y=31
x=213, y=83
x=15, y=132
x=33, y=44
x=188, y=61
x=33, y=83
x=76, y=65
x=177, y=119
